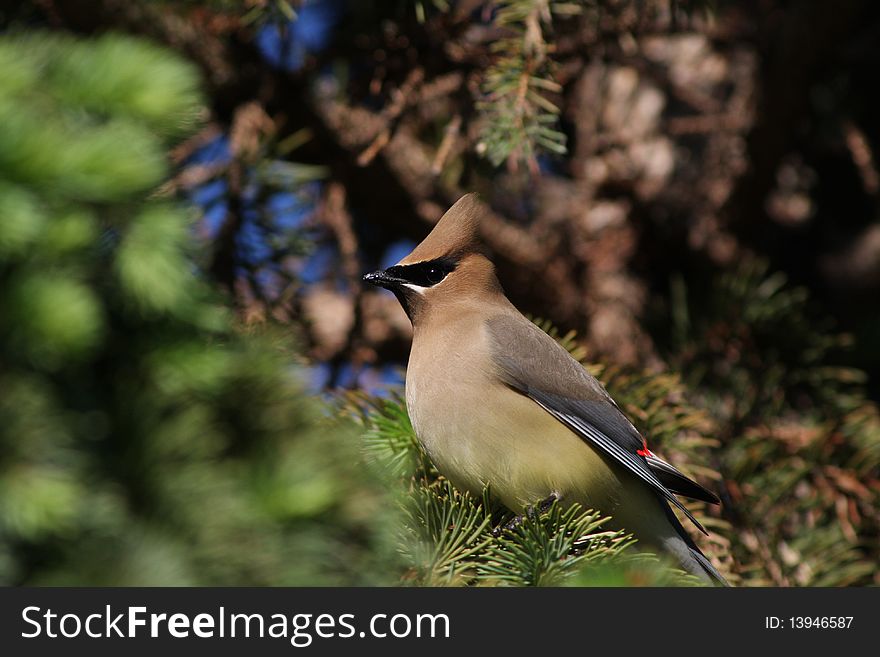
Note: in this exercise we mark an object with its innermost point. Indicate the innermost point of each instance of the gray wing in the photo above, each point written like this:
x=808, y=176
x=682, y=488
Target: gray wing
x=531, y=362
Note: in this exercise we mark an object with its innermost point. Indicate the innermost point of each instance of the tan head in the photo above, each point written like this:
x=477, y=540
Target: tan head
x=446, y=268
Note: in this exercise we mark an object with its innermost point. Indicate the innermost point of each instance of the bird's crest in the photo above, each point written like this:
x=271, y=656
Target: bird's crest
x=455, y=234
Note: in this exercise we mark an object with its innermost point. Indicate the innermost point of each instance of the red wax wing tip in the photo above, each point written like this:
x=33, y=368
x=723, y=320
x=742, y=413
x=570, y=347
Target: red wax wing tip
x=644, y=451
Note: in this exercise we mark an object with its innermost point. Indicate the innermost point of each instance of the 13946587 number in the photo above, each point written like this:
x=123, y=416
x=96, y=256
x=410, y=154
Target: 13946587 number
x=820, y=622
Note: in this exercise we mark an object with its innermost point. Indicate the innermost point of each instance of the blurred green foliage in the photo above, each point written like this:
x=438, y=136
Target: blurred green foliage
x=145, y=438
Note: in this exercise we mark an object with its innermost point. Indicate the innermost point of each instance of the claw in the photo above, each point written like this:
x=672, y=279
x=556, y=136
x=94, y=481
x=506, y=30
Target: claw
x=532, y=511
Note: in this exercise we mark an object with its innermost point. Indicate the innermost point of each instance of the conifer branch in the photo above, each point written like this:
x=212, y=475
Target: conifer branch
x=519, y=121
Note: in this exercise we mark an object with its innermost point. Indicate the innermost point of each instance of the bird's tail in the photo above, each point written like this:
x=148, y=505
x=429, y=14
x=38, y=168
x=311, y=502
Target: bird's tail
x=688, y=554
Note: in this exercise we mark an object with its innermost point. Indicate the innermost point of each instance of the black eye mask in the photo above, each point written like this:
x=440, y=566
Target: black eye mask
x=424, y=274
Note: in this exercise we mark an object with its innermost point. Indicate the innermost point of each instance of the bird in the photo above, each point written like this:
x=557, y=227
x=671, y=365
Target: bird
x=495, y=401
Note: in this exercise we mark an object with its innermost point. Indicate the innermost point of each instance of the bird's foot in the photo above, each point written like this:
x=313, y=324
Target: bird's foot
x=544, y=505
x=532, y=512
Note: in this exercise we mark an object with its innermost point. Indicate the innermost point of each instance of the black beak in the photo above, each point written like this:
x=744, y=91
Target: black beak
x=383, y=279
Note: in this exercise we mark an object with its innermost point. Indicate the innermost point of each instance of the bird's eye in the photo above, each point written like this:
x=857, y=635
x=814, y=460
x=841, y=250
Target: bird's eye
x=435, y=275
x=424, y=274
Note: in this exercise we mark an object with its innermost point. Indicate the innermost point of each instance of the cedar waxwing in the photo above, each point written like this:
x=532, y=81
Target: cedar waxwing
x=495, y=401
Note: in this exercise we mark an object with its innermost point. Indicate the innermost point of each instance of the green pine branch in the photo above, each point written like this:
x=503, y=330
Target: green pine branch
x=519, y=121
x=797, y=434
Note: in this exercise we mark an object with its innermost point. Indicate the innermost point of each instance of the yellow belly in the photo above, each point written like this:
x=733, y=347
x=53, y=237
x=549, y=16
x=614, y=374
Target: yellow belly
x=514, y=446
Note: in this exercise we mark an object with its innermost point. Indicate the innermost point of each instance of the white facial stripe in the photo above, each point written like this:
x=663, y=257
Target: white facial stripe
x=417, y=288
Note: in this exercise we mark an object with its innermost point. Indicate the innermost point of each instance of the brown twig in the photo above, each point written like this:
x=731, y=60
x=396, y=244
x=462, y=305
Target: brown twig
x=380, y=142
x=335, y=216
x=863, y=158
x=450, y=134
x=400, y=99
